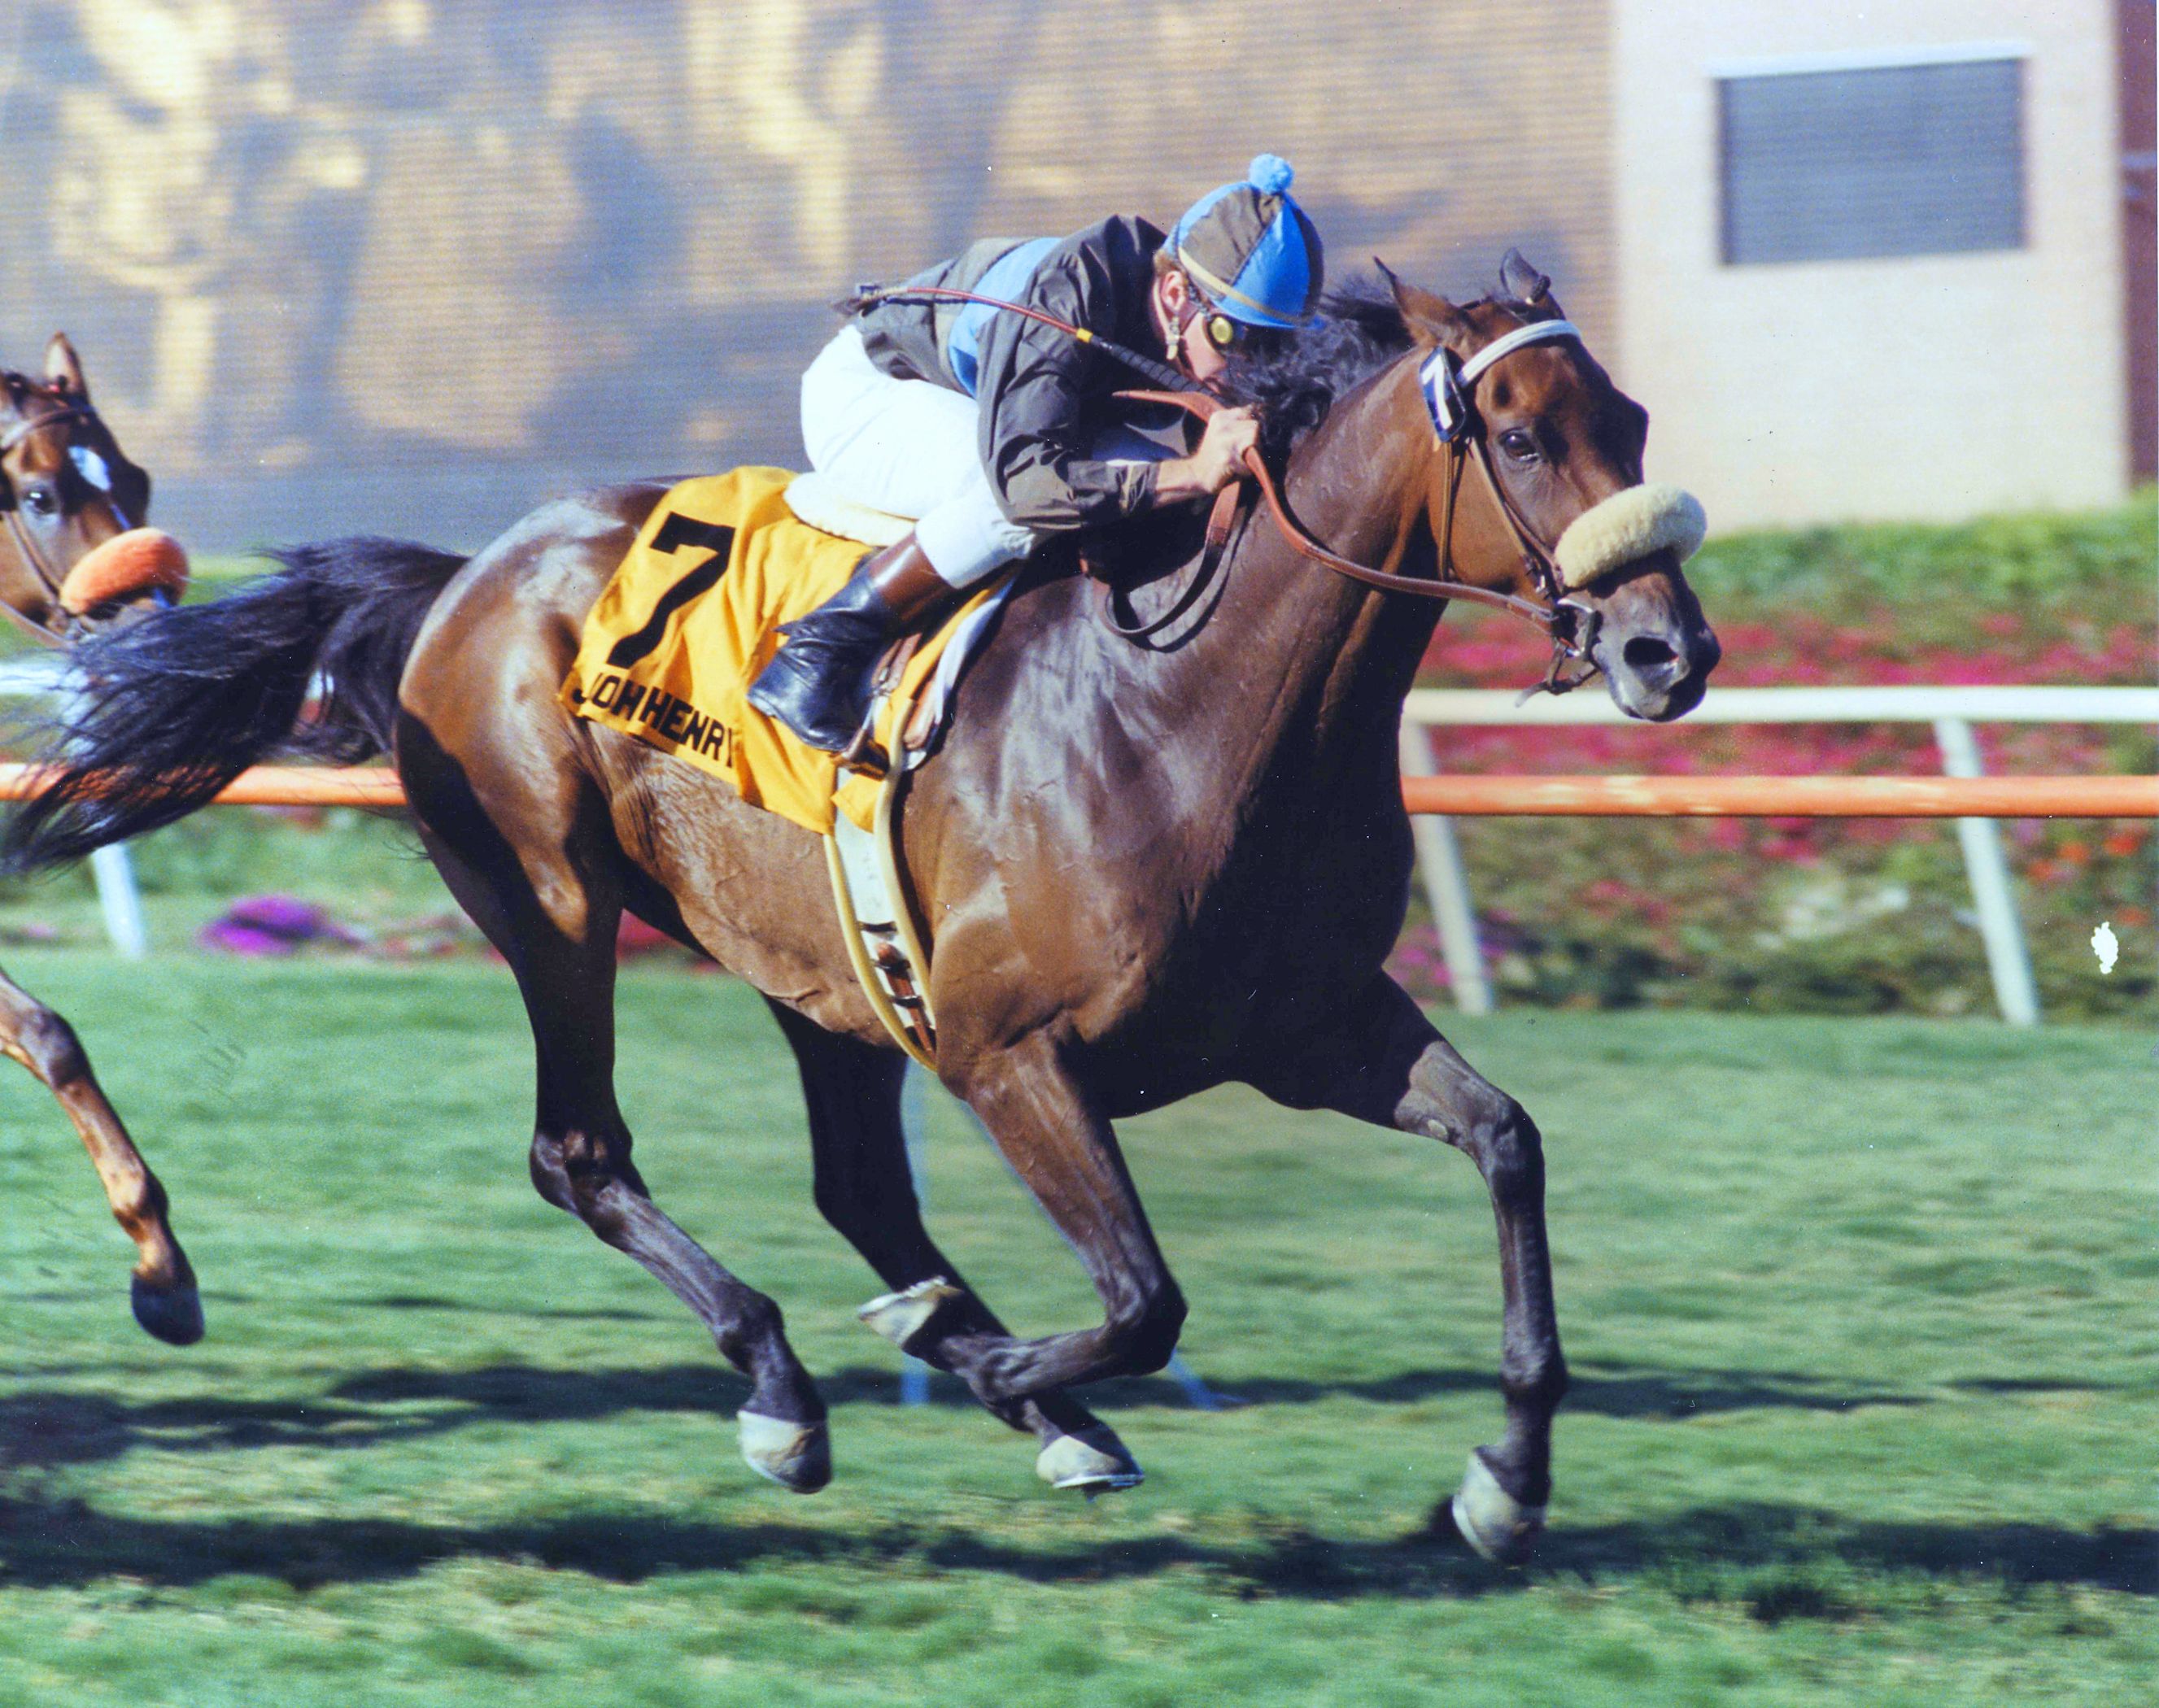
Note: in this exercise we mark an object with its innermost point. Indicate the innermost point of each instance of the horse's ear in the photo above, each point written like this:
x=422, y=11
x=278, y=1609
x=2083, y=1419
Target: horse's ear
x=63, y=367
x=1524, y=286
x=1431, y=320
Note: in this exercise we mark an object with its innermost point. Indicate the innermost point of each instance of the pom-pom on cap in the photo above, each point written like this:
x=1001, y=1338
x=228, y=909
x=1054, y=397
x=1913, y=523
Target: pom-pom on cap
x=1251, y=250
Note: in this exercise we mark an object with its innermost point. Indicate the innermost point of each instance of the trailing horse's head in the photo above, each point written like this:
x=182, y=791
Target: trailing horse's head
x=1552, y=506
x=74, y=553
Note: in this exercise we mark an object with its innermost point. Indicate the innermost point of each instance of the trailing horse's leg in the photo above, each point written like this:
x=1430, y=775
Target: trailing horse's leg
x=1053, y=1134
x=865, y=1190
x=163, y=1287
x=563, y=951
x=1383, y=1062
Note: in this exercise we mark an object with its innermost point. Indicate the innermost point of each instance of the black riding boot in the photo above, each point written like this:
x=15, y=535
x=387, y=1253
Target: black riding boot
x=818, y=682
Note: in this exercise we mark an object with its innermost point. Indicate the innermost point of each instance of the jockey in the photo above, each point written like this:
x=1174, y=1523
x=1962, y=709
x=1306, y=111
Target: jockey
x=996, y=432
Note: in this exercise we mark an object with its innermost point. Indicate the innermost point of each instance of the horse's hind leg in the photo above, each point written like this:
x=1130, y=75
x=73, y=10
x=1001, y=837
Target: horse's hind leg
x=553, y=913
x=163, y=1287
x=865, y=1190
x=1383, y=1062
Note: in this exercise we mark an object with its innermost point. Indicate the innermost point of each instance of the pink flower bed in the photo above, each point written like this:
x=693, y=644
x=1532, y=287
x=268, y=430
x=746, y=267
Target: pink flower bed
x=1775, y=912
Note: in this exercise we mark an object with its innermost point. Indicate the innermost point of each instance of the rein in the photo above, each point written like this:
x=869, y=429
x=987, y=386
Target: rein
x=1421, y=586
x=1448, y=391
x=1569, y=622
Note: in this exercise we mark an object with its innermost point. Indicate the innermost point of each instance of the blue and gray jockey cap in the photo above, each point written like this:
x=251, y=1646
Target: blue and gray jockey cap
x=1251, y=249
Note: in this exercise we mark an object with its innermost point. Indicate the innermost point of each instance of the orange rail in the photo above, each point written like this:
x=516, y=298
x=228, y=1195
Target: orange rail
x=268, y=785
x=1787, y=797
x=1487, y=796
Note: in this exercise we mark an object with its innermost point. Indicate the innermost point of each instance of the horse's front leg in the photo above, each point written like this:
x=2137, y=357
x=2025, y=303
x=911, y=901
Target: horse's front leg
x=1057, y=1139
x=1382, y=1061
x=164, y=1290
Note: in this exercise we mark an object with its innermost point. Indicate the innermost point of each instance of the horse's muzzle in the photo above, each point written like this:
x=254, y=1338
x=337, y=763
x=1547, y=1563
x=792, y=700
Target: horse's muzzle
x=1657, y=671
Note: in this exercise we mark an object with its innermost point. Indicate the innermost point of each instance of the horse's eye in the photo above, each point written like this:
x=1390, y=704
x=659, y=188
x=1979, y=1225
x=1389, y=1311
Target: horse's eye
x=1519, y=443
x=41, y=501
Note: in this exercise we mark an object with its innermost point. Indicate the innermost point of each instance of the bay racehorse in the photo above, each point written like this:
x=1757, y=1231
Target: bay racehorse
x=75, y=558
x=1145, y=869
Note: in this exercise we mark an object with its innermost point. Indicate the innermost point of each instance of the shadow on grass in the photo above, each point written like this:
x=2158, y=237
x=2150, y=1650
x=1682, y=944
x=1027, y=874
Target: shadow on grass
x=55, y=1426
x=431, y=1302
x=1773, y=1558
x=526, y=1390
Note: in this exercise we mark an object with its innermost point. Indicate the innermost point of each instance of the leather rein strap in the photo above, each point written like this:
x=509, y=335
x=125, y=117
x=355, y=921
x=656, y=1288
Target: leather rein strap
x=1545, y=617
x=1570, y=624
x=1221, y=524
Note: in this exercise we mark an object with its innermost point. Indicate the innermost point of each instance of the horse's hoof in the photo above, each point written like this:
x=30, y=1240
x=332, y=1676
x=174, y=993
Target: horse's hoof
x=1492, y=1521
x=900, y=1316
x=1092, y=1467
x=173, y=1314
x=796, y=1455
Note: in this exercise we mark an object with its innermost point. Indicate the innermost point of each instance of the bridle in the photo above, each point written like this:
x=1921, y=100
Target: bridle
x=1449, y=387
x=26, y=544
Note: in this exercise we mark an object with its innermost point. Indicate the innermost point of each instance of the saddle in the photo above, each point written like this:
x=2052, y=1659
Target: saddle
x=689, y=618
x=693, y=612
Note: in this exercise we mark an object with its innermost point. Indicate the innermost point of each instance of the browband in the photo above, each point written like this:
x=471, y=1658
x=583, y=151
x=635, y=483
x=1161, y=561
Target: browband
x=1448, y=387
x=1537, y=332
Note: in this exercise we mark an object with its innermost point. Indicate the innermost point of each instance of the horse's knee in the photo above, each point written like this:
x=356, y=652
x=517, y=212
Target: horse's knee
x=46, y=1044
x=1507, y=1147
x=551, y=1174
x=1145, y=1333
x=583, y=1171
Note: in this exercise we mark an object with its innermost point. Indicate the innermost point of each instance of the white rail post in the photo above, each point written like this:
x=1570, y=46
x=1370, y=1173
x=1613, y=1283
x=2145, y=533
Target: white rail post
x=914, y=1374
x=1446, y=883
x=110, y=868
x=120, y=900
x=2007, y=956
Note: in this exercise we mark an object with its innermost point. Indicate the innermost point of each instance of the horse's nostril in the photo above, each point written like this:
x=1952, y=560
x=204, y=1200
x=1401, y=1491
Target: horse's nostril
x=1646, y=653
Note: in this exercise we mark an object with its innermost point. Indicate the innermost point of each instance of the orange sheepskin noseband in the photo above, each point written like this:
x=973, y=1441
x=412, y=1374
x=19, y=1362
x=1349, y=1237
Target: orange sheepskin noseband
x=125, y=567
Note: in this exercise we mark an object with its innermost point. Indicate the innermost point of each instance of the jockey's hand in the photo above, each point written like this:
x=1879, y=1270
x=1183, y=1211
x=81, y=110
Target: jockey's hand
x=1219, y=459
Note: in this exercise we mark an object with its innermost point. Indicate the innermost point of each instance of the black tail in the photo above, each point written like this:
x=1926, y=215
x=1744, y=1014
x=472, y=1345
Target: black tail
x=170, y=709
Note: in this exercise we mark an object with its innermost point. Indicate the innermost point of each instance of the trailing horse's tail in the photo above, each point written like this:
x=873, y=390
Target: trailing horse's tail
x=168, y=709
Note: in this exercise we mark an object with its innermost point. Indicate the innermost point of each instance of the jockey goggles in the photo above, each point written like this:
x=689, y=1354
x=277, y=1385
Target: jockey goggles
x=1224, y=332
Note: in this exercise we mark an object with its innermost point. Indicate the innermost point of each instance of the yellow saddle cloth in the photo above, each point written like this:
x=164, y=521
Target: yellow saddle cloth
x=692, y=616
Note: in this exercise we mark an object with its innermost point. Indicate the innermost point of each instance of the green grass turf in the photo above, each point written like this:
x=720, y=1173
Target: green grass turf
x=1860, y=1314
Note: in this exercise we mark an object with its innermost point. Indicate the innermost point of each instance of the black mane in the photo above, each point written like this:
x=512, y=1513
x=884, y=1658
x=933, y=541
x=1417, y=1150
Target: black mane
x=1357, y=331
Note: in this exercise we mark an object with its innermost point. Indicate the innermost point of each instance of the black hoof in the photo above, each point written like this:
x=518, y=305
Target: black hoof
x=173, y=1314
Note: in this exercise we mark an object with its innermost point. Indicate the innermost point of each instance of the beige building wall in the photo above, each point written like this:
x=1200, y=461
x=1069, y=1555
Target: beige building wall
x=1930, y=386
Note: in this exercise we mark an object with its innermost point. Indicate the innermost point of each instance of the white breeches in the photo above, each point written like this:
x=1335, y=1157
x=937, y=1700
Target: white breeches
x=911, y=449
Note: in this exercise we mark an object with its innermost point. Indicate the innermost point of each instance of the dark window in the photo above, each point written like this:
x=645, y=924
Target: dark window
x=1894, y=160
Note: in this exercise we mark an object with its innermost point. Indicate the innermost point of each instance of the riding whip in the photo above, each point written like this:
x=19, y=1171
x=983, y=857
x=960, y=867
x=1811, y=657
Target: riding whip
x=1162, y=375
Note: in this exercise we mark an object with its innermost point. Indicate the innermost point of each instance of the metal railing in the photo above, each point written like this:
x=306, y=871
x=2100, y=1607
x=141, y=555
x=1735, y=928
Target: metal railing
x=1952, y=711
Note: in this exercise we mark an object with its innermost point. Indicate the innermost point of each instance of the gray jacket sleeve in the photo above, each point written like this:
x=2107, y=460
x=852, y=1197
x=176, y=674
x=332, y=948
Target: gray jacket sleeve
x=1035, y=430
x=1043, y=393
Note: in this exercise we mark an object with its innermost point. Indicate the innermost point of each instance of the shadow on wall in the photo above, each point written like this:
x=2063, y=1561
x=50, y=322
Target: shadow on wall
x=411, y=269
